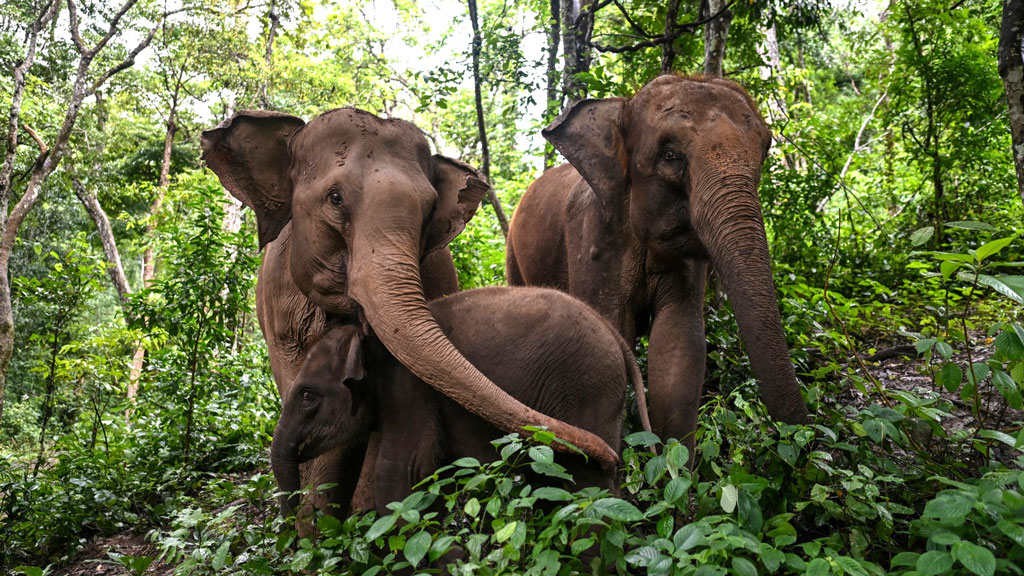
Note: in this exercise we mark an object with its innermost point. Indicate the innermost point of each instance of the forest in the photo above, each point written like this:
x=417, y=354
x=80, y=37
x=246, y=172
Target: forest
x=138, y=402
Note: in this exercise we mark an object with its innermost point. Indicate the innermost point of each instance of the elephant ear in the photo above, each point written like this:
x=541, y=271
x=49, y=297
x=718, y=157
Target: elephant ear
x=460, y=188
x=249, y=153
x=350, y=367
x=589, y=135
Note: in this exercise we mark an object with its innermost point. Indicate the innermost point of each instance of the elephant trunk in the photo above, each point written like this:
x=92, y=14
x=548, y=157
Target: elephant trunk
x=385, y=280
x=284, y=461
x=727, y=217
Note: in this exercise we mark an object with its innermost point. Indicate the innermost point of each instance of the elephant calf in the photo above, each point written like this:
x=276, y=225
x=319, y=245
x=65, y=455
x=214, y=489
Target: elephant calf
x=546, y=349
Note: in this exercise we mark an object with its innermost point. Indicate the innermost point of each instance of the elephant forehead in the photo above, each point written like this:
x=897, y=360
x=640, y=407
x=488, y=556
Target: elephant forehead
x=350, y=136
x=692, y=101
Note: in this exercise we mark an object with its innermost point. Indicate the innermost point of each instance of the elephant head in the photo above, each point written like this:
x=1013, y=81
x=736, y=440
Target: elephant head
x=326, y=408
x=679, y=163
x=366, y=202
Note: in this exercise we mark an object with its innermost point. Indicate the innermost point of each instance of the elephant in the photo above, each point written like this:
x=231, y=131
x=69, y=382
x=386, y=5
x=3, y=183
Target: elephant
x=657, y=189
x=355, y=216
x=545, y=348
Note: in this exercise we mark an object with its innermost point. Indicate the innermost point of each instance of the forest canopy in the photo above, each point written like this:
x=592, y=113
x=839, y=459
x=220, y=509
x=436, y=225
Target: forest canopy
x=136, y=396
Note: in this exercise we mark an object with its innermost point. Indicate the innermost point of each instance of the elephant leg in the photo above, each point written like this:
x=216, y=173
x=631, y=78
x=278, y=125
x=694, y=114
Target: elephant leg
x=677, y=353
x=362, y=500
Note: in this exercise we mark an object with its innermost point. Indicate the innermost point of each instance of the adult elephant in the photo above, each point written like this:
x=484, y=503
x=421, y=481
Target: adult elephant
x=347, y=207
x=659, y=187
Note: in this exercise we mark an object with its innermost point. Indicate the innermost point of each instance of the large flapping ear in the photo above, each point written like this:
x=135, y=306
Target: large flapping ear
x=350, y=367
x=589, y=135
x=249, y=153
x=460, y=188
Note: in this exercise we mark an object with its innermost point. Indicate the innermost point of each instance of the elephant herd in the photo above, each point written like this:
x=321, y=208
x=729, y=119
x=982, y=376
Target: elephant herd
x=378, y=357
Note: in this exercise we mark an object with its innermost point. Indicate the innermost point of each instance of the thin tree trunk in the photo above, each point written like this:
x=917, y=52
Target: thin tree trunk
x=99, y=217
x=485, y=153
x=716, y=32
x=275, y=21
x=668, y=49
x=554, y=99
x=1011, y=69
x=46, y=15
x=577, y=30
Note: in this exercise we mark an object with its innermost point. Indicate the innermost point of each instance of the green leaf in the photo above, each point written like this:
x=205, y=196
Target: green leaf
x=615, y=509
x=416, y=548
x=472, y=508
x=542, y=454
x=642, y=438
x=1010, y=286
x=381, y=526
x=552, y=494
x=970, y=225
x=1008, y=388
x=467, y=462
x=676, y=489
x=219, y=558
x=975, y=558
x=818, y=567
x=1012, y=530
x=989, y=248
x=924, y=344
x=505, y=532
x=944, y=349
x=948, y=505
x=851, y=566
x=743, y=567
x=30, y=570
x=921, y=235
x=934, y=563
x=950, y=376
x=580, y=546
x=642, y=556
x=979, y=370
x=999, y=436
x=689, y=536
x=948, y=267
x=729, y=498
x=301, y=559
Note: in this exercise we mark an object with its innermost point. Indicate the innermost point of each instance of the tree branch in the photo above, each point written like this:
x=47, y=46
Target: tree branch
x=43, y=148
x=665, y=38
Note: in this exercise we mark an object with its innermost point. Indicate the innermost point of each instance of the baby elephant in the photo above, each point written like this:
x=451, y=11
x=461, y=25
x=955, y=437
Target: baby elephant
x=545, y=348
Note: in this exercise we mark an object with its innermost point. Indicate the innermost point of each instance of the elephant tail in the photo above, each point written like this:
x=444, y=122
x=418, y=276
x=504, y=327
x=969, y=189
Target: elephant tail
x=637, y=380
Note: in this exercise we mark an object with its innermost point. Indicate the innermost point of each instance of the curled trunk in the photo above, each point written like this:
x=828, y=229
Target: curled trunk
x=730, y=224
x=391, y=295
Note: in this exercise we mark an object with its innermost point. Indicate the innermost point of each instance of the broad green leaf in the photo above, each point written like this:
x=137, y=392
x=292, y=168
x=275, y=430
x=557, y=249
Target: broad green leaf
x=416, y=547
x=851, y=566
x=944, y=349
x=1008, y=388
x=301, y=559
x=642, y=556
x=1010, y=286
x=552, y=494
x=729, y=498
x=642, y=438
x=615, y=509
x=580, y=546
x=505, y=532
x=743, y=567
x=30, y=570
x=979, y=370
x=975, y=558
x=934, y=562
x=676, y=489
x=948, y=505
x=921, y=235
x=818, y=567
x=999, y=436
x=381, y=526
x=948, y=267
x=924, y=344
x=970, y=225
x=1012, y=530
x=950, y=376
x=543, y=454
x=472, y=508
x=989, y=248
x=689, y=536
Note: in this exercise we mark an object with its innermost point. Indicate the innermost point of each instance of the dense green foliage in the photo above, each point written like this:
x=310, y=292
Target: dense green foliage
x=890, y=200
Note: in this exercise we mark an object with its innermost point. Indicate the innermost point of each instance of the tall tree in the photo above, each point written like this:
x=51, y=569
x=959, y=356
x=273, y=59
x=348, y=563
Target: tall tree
x=1011, y=69
x=481, y=125
x=85, y=83
x=716, y=32
x=554, y=97
x=577, y=30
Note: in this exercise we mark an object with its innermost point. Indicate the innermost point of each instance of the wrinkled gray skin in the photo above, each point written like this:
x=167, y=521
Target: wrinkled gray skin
x=659, y=187
x=545, y=348
x=348, y=206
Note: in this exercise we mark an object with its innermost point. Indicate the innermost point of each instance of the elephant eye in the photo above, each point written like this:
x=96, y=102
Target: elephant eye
x=307, y=396
x=335, y=198
x=670, y=154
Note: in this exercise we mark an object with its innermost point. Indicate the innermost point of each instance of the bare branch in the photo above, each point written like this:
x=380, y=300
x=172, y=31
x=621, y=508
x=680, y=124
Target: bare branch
x=75, y=33
x=663, y=39
x=639, y=29
x=129, y=60
x=112, y=29
x=43, y=148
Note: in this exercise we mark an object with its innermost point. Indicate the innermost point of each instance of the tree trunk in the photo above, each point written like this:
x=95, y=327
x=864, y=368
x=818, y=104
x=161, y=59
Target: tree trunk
x=554, y=99
x=716, y=32
x=48, y=13
x=485, y=153
x=668, y=49
x=275, y=20
x=1011, y=69
x=99, y=217
x=577, y=29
